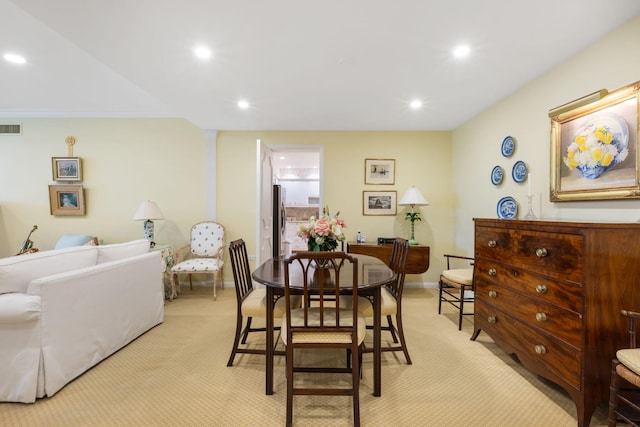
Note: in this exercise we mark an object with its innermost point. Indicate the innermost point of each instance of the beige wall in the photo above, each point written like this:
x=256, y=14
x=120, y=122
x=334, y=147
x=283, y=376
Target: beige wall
x=422, y=159
x=610, y=63
x=125, y=162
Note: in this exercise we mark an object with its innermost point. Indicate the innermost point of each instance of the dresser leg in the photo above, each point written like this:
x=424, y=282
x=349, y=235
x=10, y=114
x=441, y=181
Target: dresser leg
x=475, y=334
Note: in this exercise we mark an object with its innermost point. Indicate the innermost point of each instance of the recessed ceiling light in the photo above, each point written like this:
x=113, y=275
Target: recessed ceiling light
x=16, y=59
x=461, y=51
x=202, y=52
x=415, y=104
x=243, y=104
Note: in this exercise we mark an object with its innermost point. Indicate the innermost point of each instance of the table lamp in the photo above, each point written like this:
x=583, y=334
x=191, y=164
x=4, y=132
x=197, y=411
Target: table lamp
x=147, y=212
x=413, y=197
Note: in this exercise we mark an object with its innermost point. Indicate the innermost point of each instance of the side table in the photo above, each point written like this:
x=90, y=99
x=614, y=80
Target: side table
x=169, y=259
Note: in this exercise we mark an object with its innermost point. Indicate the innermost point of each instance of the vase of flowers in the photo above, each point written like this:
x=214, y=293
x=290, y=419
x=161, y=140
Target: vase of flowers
x=323, y=233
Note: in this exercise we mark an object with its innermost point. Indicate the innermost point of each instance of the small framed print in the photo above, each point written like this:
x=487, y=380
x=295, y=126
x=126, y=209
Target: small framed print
x=66, y=200
x=379, y=202
x=66, y=168
x=380, y=171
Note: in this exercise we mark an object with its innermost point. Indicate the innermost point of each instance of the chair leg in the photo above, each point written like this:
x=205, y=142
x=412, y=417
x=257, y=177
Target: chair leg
x=355, y=386
x=440, y=298
x=392, y=329
x=215, y=280
x=289, y=363
x=236, y=340
x=190, y=282
x=613, y=395
x=403, y=342
x=462, y=288
x=246, y=330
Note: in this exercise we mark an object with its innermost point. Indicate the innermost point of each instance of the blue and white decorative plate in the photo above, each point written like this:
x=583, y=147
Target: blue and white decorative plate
x=507, y=208
x=519, y=171
x=496, y=175
x=508, y=146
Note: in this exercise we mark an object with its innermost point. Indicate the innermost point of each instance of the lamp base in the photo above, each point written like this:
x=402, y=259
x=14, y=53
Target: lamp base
x=413, y=242
x=148, y=232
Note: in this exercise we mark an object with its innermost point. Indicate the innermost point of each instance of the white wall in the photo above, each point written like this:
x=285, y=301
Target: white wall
x=610, y=63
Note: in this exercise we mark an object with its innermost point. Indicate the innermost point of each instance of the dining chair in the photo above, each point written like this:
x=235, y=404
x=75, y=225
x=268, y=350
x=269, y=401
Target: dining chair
x=251, y=301
x=391, y=300
x=203, y=255
x=324, y=325
x=456, y=286
x=625, y=379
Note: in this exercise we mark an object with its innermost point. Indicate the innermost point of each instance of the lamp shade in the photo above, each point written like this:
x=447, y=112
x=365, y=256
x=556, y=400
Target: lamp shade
x=413, y=197
x=148, y=210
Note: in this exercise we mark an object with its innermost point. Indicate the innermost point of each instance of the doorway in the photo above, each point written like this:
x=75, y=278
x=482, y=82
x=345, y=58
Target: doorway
x=298, y=169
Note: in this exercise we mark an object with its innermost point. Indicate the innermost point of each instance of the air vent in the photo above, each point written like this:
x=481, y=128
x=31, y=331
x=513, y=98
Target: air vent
x=10, y=129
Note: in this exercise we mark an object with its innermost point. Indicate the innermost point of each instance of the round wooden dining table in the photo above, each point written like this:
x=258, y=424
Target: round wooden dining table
x=372, y=275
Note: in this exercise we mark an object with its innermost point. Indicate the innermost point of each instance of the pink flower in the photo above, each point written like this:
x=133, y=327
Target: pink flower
x=322, y=227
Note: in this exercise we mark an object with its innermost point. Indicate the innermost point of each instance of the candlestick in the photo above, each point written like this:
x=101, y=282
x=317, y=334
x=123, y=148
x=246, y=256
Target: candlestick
x=530, y=214
x=529, y=185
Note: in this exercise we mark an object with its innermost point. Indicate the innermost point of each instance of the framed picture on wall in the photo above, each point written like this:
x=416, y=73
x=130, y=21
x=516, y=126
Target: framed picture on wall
x=66, y=200
x=594, y=148
x=380, y=171
x=379, y=202
x=66, y=168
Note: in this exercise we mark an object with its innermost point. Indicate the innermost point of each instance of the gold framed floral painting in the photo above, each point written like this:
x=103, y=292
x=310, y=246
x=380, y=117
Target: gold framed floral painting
x=594, y=153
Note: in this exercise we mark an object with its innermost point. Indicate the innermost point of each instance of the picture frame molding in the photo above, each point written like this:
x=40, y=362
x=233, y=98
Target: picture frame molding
x=563, y=185
x=76, y=197
x=367, y=210
x=388, y=171
x=57, y=168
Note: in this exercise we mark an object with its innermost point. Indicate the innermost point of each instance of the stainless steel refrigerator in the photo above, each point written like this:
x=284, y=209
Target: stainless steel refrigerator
x=279, y=220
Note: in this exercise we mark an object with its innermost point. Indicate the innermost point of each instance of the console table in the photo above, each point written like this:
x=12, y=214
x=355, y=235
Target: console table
x=418, y=261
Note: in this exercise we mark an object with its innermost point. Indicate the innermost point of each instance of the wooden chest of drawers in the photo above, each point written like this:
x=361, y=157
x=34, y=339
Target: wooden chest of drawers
x=551, y=293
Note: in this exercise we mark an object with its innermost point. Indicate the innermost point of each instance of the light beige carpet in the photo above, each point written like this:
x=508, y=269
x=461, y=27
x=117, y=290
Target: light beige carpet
x=176, y=375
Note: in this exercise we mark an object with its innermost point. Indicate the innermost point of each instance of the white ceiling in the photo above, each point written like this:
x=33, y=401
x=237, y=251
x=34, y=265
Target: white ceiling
x=303, y=65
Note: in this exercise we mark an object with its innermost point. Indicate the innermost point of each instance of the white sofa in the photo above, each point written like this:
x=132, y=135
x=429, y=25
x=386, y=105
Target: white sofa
x=63, y=311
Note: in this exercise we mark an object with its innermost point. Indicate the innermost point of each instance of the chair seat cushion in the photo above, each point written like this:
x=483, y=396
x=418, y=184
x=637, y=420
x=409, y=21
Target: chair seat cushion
x=255, y=304
x=630, y=357
x=346, y=319
x=197, y=264
x=462, y=275
x=388, y=304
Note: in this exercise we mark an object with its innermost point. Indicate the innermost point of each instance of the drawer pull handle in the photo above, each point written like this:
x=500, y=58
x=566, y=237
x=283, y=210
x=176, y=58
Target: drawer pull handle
x=493, y=294
x=541, y=252
x=492, y=319
x=540, y=349
x=492, y=272
x=541, y=317
x=492, y=243
x=541, y=289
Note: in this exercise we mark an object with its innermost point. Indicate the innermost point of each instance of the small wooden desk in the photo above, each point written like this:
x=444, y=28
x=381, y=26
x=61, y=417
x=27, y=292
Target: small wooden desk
x=418, y=261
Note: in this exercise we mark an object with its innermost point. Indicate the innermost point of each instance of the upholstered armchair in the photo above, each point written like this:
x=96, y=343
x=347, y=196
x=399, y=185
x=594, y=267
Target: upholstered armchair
x=203, y=255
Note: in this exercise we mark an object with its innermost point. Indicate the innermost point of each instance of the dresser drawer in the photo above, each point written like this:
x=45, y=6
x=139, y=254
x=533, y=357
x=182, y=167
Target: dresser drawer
x=538, y=351
x=552, y=253
x=548, y=288
x=563, y=324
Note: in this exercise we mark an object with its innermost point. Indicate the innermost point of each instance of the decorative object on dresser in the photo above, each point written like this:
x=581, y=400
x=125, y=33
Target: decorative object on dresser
x=413, y=197
x=625, y=379
x=148, y=211
x=456, y=286
x=550, y=292
x=594, y=145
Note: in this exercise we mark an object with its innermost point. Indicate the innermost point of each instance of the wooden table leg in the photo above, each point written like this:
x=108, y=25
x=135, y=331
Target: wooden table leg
x=269, y=340
x=377, y=345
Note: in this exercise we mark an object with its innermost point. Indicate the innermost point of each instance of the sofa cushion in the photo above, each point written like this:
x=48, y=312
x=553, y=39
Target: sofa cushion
x=17, y=271
x=16, y=308
x=116, y=251
x=71, y=240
